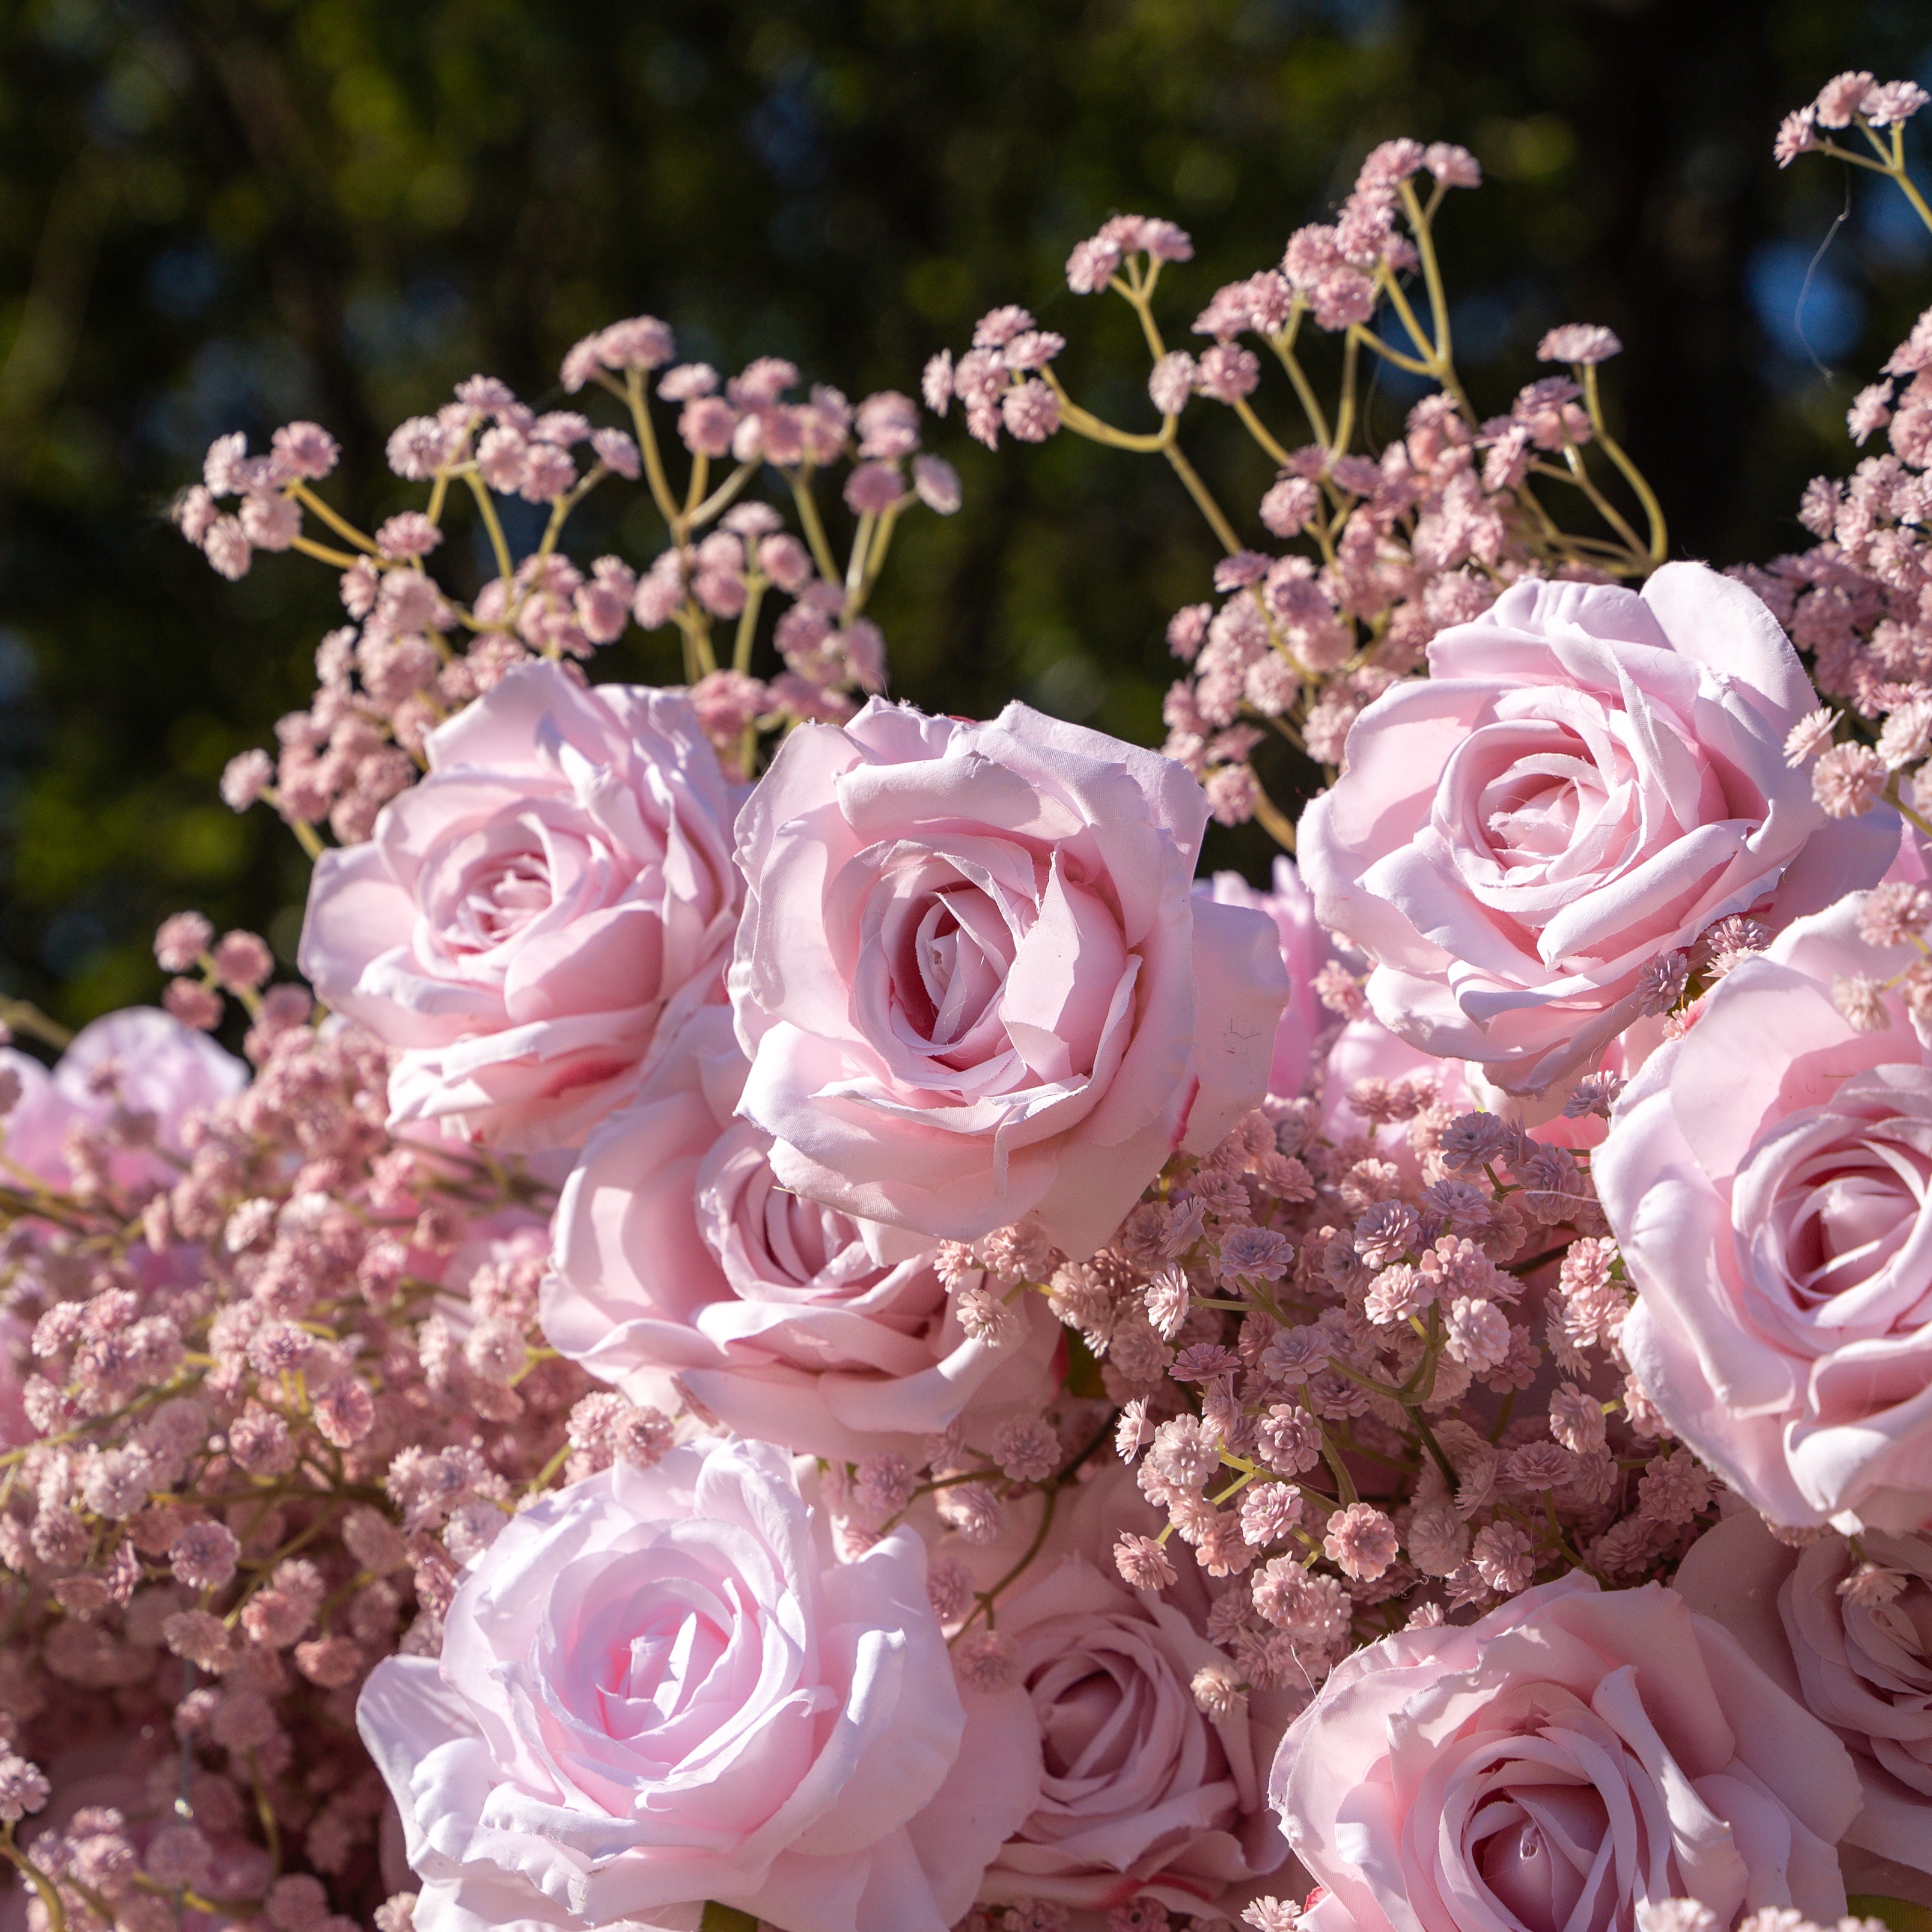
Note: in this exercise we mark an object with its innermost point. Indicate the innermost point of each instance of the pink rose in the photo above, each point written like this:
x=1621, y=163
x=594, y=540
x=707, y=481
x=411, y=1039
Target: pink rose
x=140, y=1065
x=679, y=1253
x=1587, y=781
x=658, y=1687
x=1850, y=1637
x=1305, y=950
x=528, y=922
x=1766, y=1178
x=1142, y=1793
x=1567, y=1758
x=973, y=981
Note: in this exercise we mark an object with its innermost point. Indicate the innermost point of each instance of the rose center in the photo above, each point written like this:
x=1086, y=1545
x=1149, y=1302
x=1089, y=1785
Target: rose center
x=1531, y=817
x=1857, y=1208
x=500, y=904
x=1085, y=1732
x=653, y=1679
x=1538, y=1843
x=960, y=953
x=1907, y=1620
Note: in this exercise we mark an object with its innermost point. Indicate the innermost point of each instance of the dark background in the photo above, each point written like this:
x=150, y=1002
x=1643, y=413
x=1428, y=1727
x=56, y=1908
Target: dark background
x=219, y=213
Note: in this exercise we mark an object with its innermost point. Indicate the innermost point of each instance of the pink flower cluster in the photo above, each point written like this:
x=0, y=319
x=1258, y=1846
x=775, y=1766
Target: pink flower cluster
x=1389, y=549
x=816, y=1333
x=401, y=664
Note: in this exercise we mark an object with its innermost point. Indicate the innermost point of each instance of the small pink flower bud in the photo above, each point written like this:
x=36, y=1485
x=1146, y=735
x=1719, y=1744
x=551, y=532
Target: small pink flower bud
x=243, y=962
x=181, y=940
x=227, y=548
x=193, y=1004
x=938, y=483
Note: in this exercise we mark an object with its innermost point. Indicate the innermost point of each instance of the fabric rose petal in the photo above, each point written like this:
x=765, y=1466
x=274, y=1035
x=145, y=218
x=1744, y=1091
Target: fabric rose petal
x=1572, y=1755
x=1587, y=779
x=1305, y=950
x=678, y=1253
x=139, y=1060
x=528, y=921
x=658, y=1688
x=1768, y=1178
x=1141, y=1794
x=1860, y=1659
x=973, y=979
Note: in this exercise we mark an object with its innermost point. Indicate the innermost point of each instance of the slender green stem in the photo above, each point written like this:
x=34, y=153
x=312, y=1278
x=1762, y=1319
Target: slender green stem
x=755, y=582
x=875, y=558
x=855, y=564
x=720, y=500
x=1420, y=221
x=308, y=498
x=985, y=1600
x=23, y=1016
x=561, y=507
x=1603, y=507
x=647, y=442
x=800, y=480
x=49, y=1898
x=1856, y=160
x=700, y=660
x=1203, y=498
x=308, y=547
x=1431, y=361
x=271, y=1831
x=1084, y=422
x=1892, y=798
x=1345, y=1483
x=1345, y=419
x=1155, y=347
x=1277, y=824
x=1434, y=1448
x=1258, y=430
x=1283, y=345
x=304, y=832
x=1370, y=340
x=487, y=507
x=1660, y=541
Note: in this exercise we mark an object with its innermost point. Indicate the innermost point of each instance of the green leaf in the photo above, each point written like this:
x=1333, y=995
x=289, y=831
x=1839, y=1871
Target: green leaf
x=726, y=1918
x=1901, y=1914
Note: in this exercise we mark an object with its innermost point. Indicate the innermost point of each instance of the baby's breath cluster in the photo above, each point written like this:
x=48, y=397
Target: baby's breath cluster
x=274, y=1377
x=414, y=650
x=1377, y=553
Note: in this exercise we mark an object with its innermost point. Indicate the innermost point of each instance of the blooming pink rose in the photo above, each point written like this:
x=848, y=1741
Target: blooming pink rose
x=1766, y=1179
x=1141, y=1794
x=973, y=981
x=1305, y=950
x=659, y=1687
x=1587, y=781
x=1859, y=1659
x=528, y=921
x=140, y=1063
x=679, y=1253
x=1571, y=1755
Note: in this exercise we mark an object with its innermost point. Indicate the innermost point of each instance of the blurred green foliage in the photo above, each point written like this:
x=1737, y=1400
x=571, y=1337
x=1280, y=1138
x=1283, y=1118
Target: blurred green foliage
x=216, y=214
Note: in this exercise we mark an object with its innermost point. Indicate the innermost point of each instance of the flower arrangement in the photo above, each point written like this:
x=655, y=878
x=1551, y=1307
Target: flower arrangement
x=797, y=1325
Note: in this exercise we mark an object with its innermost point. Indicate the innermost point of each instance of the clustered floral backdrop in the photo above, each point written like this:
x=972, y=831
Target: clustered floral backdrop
x=798, y=1324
